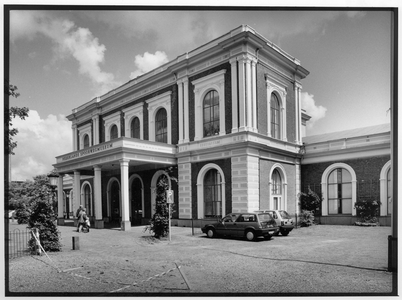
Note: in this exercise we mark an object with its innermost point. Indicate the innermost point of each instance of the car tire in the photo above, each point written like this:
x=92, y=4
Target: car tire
x=250, y=235
x=211, y=233
x=268, y=237
x=285, y=232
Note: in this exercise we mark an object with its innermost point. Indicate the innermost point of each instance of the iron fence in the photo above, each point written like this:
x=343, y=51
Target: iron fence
x=17, y=241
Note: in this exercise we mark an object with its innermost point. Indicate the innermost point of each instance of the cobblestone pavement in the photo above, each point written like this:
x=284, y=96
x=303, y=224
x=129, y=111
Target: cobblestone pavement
x=318, y=260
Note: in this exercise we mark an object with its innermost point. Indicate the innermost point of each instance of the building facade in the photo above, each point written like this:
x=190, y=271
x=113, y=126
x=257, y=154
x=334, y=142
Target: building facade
x=225, y=117
x=348, y=167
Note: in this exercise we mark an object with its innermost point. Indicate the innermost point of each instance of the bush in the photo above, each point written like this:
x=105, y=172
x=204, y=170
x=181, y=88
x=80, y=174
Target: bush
x=310, y=201
x=368, y=211
x=43, y=218
x=306, y=218
x=22, y=214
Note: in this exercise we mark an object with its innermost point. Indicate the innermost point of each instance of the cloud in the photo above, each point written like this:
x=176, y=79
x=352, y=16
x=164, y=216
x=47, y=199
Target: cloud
x=148, y=62
x=39, y=141
x=316, y=112
x=69, y=41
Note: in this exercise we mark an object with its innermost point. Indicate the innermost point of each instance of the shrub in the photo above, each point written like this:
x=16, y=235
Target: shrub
x=159, y=224
x=368, y=211
x=22, y=214
x=43, y=218
x=306, y=218
x=310, y=201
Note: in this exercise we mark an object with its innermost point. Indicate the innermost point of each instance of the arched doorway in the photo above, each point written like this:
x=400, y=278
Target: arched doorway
x=136, y=202
x=115, y=202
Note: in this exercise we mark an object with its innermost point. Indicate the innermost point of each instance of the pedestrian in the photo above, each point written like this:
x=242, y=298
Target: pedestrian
x=77, y=215
x=82, y=217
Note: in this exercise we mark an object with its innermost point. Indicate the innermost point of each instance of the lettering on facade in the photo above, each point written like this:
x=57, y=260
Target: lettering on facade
x=88, y=151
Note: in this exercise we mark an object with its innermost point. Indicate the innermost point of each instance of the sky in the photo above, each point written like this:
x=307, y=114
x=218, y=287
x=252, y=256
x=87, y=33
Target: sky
x=61, y=59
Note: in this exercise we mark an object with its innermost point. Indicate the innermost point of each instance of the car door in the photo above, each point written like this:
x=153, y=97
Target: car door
x=239, y=225
x=225, y=227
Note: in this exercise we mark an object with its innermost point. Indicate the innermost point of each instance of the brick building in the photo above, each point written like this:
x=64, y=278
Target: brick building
x=226, y=116
x=346, y=167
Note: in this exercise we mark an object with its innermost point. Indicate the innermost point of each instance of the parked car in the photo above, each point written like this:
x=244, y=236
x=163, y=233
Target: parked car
x=245, y=225
x=283, y=220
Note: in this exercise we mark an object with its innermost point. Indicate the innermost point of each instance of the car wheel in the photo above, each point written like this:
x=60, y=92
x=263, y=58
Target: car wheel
x=268, y=237
x=284, y=232
x=250, y=236
x=210, y=233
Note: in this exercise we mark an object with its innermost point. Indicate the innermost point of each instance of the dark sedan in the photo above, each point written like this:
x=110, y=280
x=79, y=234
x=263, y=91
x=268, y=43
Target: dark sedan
x=245, y=225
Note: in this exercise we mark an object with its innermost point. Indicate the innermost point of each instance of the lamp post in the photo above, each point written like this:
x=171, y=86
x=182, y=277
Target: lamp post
x=53, y=179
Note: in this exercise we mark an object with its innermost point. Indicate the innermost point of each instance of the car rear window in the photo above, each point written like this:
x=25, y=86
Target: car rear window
x=264, y=217
x=246, y=218
x=284, y=214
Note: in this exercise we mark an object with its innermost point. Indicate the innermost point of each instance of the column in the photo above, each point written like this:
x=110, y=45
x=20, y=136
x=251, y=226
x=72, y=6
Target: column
x=95, y=121
x=76, y=194
x=125, y=205
x=186, y=112
x=269, y=91
x=254, y=94
x=185, y=199
x=235, y=121
x=249, y=99
x=98, y=197
x=181, y=123
x=60, y=201
x=242, y=96
x=75, y=145
x=300, y=118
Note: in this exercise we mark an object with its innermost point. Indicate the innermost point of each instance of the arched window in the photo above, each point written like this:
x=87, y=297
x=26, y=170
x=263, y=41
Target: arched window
x=211, y=113
x=135, y=128
x=276, y=190
x=88, y=202
x=161, y=126
x=86, y=141
x=114, y=134
x=212, y=194
x=275, y=117
x=340, y=192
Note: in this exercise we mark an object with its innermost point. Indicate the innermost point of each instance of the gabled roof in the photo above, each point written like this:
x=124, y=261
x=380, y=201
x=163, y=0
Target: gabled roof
x=364, y=131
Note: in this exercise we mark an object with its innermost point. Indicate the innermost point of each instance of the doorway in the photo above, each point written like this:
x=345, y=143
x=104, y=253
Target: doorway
x=136, y=202
x=115, y=202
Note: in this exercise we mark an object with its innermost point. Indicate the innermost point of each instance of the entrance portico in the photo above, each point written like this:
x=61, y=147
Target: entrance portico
x=118, y=158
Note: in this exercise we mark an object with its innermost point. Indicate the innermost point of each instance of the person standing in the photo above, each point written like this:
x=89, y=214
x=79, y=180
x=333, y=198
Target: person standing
x=77, y=215
x=82, y=218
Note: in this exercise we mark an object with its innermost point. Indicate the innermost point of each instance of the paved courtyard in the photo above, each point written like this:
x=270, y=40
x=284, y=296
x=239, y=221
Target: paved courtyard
x=318, y=260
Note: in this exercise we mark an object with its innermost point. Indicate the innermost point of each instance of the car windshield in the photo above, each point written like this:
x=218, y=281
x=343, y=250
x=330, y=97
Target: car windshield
x=264, y=217
x=284, y=214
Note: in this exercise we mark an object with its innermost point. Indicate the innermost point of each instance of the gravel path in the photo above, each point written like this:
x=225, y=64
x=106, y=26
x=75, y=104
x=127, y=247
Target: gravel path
x=331, y=260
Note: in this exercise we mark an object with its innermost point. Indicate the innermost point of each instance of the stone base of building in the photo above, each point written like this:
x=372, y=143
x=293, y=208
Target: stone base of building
x=125, y=225
x=98, y=224
x=60, y=221
x=348, y=220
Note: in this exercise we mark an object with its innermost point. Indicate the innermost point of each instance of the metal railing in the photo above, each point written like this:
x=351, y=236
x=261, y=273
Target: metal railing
x=17, y=241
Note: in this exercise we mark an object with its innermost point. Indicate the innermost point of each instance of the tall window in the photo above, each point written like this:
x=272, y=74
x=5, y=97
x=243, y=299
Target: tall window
x=211, y=113
x=212, y=194
x=135, y=128
x=275, y=117
x=276, y=189
x=88, y=202
x=114, y=132
x=340, y=192
x=389, y=192
x=86, y=141
x=161, y=126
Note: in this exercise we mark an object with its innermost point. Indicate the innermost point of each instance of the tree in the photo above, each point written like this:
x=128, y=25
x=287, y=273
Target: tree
x=13, y=112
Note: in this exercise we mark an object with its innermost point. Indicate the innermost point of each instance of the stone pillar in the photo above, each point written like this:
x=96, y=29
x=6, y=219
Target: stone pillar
x=184, y=168
x=254, y=94
x=76, y=194
x=186, y=112
x=249, y=103
x=60, y=201
x=245, y=183
x=242, y=96
x=125, y=205
x=181, y=114
x=75, y=142
x=95, y=121
x=98, y=197
x=235, y=121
